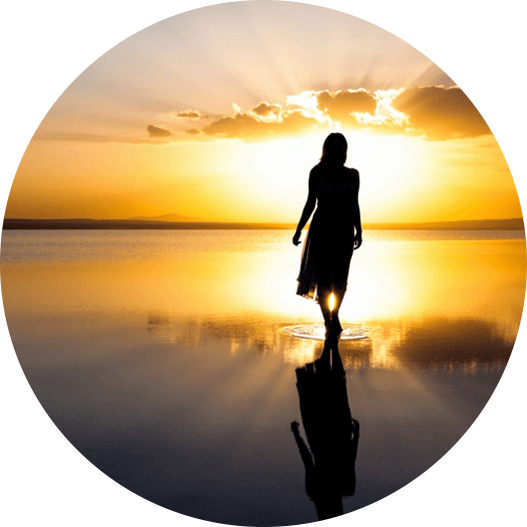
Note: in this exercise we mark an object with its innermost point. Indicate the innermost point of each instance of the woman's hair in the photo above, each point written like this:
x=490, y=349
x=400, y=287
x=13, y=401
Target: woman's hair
x=335, y=149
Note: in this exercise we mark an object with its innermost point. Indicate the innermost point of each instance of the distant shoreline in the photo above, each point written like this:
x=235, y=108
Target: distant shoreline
x=89, y=224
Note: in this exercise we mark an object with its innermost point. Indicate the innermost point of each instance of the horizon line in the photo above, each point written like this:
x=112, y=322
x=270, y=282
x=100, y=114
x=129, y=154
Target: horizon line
x=91, y=223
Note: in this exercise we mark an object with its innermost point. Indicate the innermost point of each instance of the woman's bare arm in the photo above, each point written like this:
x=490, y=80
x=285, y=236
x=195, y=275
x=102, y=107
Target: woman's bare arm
x=309, y=207
x=305, y=454
x=357, y=221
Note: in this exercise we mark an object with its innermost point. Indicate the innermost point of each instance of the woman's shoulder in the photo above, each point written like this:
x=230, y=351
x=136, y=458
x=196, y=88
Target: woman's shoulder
x=317, y=169
x=316, y=173
x=320, y=167
x=352, y=173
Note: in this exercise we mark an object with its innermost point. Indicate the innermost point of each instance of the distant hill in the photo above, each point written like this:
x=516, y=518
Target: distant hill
x=168, y=217
x=145, y=224
x=152, y=223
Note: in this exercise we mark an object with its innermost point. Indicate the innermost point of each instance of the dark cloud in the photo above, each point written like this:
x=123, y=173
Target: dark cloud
x=440, y=113
x=193, y=131
x=265, y=109
x=433, y=112
x=237, y=125
x=267, y=120
x=188, y=114
x=340, y=106
x=250, y=127
x=156, y=131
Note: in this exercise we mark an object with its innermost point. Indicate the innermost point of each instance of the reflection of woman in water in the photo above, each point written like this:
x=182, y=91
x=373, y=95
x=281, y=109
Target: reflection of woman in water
x=335, y=230
x=331, y=432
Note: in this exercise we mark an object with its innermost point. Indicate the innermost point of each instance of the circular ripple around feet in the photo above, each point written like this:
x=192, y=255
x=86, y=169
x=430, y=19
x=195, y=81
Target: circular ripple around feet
x=318, y=332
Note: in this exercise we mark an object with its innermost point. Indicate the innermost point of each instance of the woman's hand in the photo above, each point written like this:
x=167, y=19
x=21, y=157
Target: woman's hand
x=294, y=426
x=296, y=238
x=357, y=241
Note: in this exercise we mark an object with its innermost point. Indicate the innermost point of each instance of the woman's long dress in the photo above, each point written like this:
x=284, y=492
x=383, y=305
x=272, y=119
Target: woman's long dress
x=328, y=247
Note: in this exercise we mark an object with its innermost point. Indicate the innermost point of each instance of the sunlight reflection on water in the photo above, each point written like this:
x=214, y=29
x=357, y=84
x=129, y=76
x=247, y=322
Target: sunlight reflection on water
x=318, y=332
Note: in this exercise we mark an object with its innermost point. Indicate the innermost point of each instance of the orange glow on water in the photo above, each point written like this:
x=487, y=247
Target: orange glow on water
x=191, y=274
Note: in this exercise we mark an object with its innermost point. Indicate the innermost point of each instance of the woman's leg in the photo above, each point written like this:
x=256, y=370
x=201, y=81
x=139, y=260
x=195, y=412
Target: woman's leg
x=339, y=296
x=323, y=302
x=340, y=282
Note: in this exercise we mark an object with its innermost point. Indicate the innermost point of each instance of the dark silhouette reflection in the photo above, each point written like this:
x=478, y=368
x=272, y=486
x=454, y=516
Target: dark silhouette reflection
x=332, y=433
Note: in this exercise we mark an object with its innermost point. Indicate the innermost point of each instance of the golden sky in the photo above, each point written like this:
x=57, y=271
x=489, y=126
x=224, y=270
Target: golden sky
x=220, y=113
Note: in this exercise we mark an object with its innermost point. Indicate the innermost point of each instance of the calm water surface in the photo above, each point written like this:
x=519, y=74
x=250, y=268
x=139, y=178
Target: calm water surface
x=162, y=356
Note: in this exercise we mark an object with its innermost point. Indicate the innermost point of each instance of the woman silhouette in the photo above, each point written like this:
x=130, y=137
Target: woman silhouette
x=335, y=230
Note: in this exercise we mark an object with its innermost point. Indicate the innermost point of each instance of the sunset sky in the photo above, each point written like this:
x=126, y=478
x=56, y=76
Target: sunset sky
x=220, y=113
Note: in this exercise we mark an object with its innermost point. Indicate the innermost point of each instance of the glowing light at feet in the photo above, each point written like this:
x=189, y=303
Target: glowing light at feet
x=332, y=301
